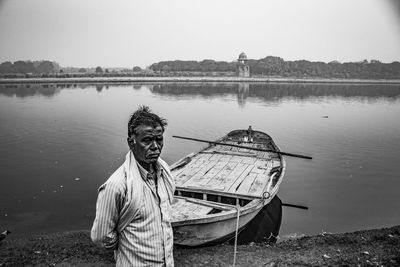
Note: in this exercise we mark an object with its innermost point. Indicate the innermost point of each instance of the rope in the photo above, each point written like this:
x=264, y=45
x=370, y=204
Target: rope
x=236, y=233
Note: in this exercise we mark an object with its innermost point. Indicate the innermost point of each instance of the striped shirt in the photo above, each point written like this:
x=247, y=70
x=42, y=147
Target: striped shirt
x=147, y=240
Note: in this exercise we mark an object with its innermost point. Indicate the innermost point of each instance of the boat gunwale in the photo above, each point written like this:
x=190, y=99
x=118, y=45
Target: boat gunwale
x=252, y=206
x=200, y=190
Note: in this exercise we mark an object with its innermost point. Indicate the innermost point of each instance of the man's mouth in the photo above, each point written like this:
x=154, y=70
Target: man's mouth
x=153, y=156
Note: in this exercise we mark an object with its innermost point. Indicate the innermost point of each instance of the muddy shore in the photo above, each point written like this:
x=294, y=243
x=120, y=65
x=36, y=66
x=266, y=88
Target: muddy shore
x=379, y=247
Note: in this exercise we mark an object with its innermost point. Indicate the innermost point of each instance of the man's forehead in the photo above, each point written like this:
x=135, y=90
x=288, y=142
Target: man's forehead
x=147, y=129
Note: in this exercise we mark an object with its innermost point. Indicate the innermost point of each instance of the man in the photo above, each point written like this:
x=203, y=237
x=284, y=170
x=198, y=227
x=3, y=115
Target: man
x=133, y=206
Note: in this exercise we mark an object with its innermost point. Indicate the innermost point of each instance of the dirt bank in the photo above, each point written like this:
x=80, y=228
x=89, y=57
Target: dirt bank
x=379, y=247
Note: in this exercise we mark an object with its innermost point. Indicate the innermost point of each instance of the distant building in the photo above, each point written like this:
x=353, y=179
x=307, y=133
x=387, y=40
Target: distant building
x=242, y=69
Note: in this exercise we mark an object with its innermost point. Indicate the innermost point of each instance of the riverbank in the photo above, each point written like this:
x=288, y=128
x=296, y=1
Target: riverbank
x=192, y=79
x=379, y=247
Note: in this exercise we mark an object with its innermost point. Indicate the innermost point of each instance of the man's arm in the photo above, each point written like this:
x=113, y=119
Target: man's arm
x=104, y=231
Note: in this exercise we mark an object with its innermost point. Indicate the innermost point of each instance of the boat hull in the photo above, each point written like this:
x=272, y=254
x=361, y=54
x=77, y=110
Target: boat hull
x=265, y=225
x=259, y=225
x=209, y=233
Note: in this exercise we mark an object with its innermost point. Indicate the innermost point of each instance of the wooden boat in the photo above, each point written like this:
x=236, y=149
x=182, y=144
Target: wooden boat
x=224, y=186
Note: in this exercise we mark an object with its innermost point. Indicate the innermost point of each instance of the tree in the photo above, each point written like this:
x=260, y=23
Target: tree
x=137, y=69
x=45, y=67
x=166, y=68
x=7, y=67
x=24, y=66
x=374, y=61
x=82, y=70
x=99, y=69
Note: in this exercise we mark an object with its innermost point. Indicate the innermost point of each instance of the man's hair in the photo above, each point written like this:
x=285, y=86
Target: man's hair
x=144, y=116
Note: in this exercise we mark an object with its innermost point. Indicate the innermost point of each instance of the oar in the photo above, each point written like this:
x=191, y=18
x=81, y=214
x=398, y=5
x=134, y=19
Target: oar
x=295, y=206
x=251, y=148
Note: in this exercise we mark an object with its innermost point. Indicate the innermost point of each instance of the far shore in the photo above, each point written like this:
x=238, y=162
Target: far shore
x=378, y=247
x=194, y=79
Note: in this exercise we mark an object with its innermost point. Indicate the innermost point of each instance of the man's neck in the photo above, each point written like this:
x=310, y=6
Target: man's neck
x=147, y=166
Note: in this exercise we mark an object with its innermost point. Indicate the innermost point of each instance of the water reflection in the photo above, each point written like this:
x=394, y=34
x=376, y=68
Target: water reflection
x=243, y=93
x=99, y=88
x=265, y=91
x=29, y=90
x=273, y=92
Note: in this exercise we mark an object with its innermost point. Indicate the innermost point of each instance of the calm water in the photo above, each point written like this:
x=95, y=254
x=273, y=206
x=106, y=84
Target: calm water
x=58, y=143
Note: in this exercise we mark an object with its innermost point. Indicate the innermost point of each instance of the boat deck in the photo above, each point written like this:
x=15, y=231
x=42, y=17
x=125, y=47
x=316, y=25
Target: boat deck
x=224, y=186
x=230, y=169
x=189, y=208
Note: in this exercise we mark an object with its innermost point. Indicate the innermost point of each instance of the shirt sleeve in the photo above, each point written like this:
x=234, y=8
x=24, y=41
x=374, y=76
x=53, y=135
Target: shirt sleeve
x=104, y=232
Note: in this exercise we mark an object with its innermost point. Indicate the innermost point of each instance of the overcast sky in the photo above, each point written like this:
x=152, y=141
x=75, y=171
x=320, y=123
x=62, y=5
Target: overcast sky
x=125, y=33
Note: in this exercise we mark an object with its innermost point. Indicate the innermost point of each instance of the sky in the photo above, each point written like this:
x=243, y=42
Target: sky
x=127, y=33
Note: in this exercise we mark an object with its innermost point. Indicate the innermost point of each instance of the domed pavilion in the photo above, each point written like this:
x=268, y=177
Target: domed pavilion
x=242, y=69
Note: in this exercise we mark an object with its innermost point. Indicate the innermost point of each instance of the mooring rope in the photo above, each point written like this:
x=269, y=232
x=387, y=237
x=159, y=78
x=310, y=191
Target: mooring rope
x=236, y=233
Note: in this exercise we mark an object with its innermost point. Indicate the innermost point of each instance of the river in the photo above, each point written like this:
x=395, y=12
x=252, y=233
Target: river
x=59, y=142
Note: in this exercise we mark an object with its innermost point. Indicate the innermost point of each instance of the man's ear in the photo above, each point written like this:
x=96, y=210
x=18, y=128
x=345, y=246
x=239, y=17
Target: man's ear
x=131, y=141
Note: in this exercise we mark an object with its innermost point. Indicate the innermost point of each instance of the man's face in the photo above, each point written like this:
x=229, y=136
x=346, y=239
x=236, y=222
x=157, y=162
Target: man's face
x=148, y=146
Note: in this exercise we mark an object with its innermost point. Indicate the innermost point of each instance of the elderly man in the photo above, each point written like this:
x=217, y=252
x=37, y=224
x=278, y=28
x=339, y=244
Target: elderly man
x=134, y=204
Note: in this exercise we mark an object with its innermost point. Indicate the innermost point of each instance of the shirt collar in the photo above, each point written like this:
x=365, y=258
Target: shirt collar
x=145, y=174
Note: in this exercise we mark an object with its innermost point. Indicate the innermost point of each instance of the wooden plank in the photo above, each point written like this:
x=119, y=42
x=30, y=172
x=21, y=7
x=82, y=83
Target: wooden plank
x=216, y=183
x=243, y=150
x=198, y=179
x=221, y=206
x=249, y=160
x=201, y=211
x=231, y=153
x=276, y=163
x=246, y=184
x=234, y=149
x=187, y=174
x=236, y=159
x=260, y=166
x=184, y=210
x=229, y=179
x=206, y=172
x=182, y=179
x=264, y=155
x=218, y=193
x=213, y=171
x=222, y=148
x=191, y=169
x=225, y=157
x=215, y=157
x=259, y=184
x=261, y=154
x=193, y=162
x=201, y=158
x=239, y=180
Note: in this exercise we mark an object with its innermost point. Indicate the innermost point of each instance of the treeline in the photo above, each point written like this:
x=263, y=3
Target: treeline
x=206, y=65
x=49, y=69
x=268, y=66
x=276, y=66
x=33, y=67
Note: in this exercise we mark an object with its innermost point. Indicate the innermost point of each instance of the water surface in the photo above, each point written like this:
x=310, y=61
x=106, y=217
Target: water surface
x=58, y=143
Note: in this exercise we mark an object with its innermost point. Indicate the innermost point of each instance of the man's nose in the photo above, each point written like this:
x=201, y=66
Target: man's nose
x=153, y=145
